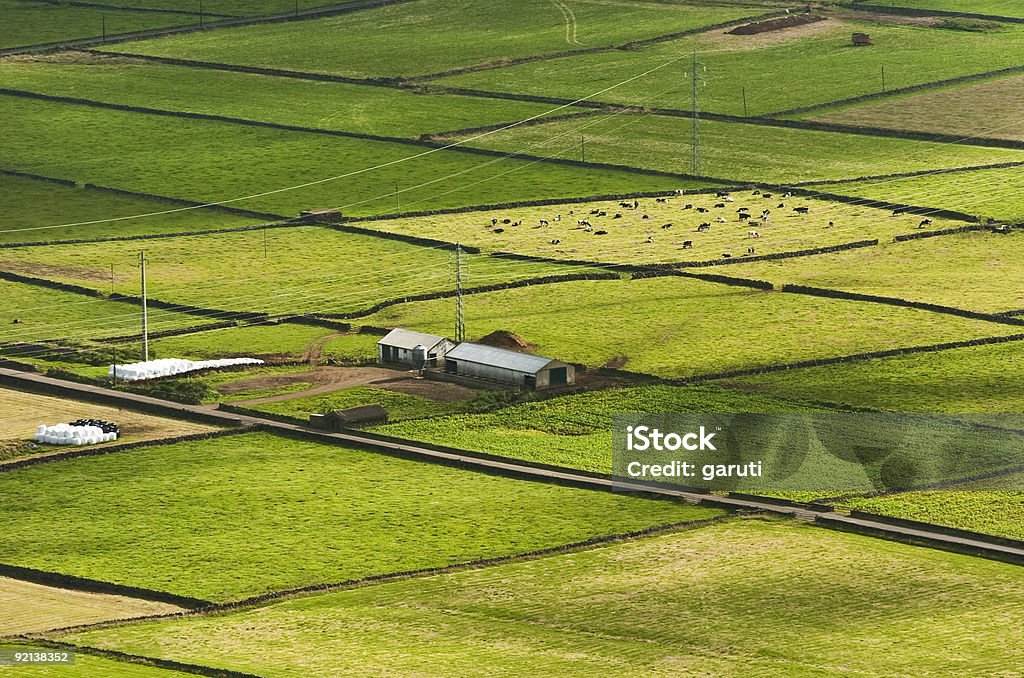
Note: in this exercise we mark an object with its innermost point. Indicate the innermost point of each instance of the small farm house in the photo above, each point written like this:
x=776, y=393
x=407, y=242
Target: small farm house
x=412, y=348
x=507, y=367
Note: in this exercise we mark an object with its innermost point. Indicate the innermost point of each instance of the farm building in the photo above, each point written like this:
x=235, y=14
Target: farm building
x=507, y=367
x=399, y=346
x=861, y=39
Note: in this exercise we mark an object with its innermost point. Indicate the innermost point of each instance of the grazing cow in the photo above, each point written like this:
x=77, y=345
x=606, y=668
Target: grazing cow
x=787, y=195
x=600, y=232
x=594, y=212
x=729, y=199
x=767, y=196
x=801, y=210
x=506, y=221
x=645, y=217
x=618, y=215
x=16, y=321
x=1002, y=228
x=687, y=244
x=516, y=223
x=726, y=255
x=743, y=209
x=543, y=222
x=494, y=222
x=650, y=238
x=556, y=241
x=661, y=200
x=688, y=206
x=925, y=222
x=719, y=204
x=753, y=234
x=899, y=212
x=781, y=205
x=624, y=204
x=636, y=204
x=558, y=218
x=765, y=213
x=704, y=227
x=831, y=224
x=720, y=220
x=750, y=250
x=666, y=225
x=756, y=193
x=722, y=194
x=498, y=230
x=744, y=216
x=588, y=229
x=702, y=209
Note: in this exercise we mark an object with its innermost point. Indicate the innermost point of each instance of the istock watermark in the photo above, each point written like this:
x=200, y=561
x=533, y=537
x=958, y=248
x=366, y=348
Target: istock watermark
x=824, y=453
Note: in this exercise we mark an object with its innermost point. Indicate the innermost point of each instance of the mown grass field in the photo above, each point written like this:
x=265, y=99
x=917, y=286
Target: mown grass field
x=23, y=412
x=950, y=110
x=215, y=161
x=399, y=405
x=998, y=512
x=33, y=210
x=270, y=342
x=85, y=666
x=977, y=379
x=676, y=327
x=31, y=608
x=779, y=71
x=200, y=511
x=625, y=240
x=988, y=193
x=416, y=38
x=311, y=269
x=322, y=105
x=740, y=152
x=969, y=270
x=32, y=23
x=750, y=597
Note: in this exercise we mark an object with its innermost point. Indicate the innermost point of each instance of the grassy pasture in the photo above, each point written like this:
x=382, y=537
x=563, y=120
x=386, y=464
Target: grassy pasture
x=676, y=327
x=416, y=38
x=32, y=23
x=200, y=511
x=214, y=161
x=270, y=342
x=969, y=270
x=778, y=71
x=739, y=152
x=977, y=379
x=750, y=597
x=988, y=193
x=85, y=666
x=324, y=105
x=990, y=7
x=30, y=209
x=950, y=110
x=310, y=268
x=399, y=405
x=234, y=7
x=626, y=238
x=31, y=608
x=22, y=412
x=999, y=512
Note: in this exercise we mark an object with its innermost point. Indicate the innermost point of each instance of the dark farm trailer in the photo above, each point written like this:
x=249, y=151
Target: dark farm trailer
x=507, y=367
x=399, y=346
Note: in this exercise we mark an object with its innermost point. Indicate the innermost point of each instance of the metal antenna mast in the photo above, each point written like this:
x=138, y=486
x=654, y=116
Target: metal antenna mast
x=460, y=322
x=698, y=80
x=145, y=312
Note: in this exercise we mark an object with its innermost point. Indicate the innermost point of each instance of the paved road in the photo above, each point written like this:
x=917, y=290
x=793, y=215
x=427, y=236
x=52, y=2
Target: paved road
x=917, y=535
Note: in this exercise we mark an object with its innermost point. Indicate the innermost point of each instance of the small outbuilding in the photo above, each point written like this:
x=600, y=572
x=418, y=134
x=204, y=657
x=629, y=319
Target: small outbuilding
x=477, y=361
x=861, y=39
x=353, y=417
x=400, y=346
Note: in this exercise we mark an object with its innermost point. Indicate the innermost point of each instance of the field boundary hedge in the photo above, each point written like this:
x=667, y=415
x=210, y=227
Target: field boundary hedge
x=911, y=11
x=93, y=451
x=465, y=131
x=907, y=175
x=194, y=329
x=897, y=301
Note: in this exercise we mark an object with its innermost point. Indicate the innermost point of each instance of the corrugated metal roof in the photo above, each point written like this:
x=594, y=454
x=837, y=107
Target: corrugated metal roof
x=410, y=340
x=499, y=357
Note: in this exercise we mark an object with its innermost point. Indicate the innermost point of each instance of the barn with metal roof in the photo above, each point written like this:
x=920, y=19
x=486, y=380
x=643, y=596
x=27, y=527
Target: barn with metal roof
x=507, y=367
x=399, y=346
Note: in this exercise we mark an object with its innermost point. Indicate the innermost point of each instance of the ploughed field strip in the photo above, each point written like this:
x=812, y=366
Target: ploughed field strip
x=415, y=38
x=360, y=109
x=672, y=229
x=32, y=608
x=969, y=270
x=605, y=610
x=312, y=269
x=677, y=327
x=315, y=514
x=777, y=71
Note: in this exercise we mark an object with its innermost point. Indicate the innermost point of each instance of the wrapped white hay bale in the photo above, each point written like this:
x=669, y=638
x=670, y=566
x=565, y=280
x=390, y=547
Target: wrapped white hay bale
x=77, y=433
x=166, y=367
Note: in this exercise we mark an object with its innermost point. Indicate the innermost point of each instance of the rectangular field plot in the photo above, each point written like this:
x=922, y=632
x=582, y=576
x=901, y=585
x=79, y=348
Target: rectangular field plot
x=249, y=514
x=416, y=38
x=671, y=605
x=739, y=152
x=31, y=608
x=273, y=343
x=32, y=210
x=216, y=161
x=23, y=412
x=970, y=271
x=85, y=666
x=676, y=327
x=235, y=7
x=322, y=105
x=777, y=71
x=952, y=110
x=309, y=269
x=989, y=7
x=987, y=193
x=990, y=511
x=625, y=230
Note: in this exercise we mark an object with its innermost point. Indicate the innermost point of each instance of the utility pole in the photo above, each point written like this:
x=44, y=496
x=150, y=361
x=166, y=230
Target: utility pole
x=744, y=102
x=583, y=148
x=265, y=254
x=398, y=197
x=698, y=80
x=111, y=278
x=145, y=313
x=460, y=322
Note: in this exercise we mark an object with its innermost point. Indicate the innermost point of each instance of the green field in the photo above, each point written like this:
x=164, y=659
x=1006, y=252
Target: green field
x=990, y=7
x=399, y=405
x=234, y=7
x=985, y=263
x=200, y=511
x=739, y=152
x=322, y=105
x=678, y=327
x=270, y=342
x=977, y=379
x=312, y=269
x=625, y=240
x=988, y=193
x=215, y=161
x=742, y=598
x=989, y=511
x=33, y=210
x=778, y=71
x=950, y=110
x=85, y=666
x=27, y=22
x=416, y=38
